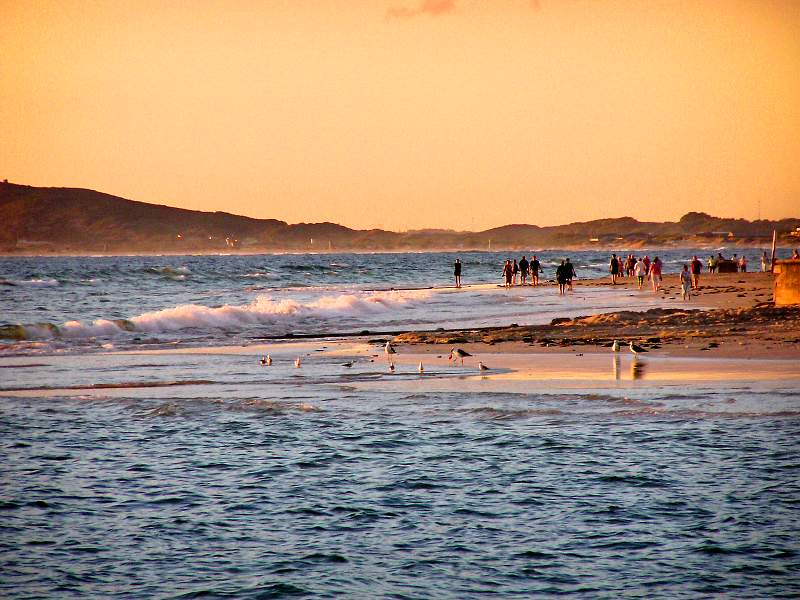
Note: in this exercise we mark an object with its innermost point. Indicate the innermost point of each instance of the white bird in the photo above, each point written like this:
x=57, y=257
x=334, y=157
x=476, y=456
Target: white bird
x=297, y=363
x=269, y=360
x=635, y=348
x=459, y=353
x=615, y=346
x=482, y=367
x=391, y=367
x=389, y=349
x=263, y=360
x=420, y=368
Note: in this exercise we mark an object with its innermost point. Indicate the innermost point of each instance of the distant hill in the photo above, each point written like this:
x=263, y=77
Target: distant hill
x=74, y=220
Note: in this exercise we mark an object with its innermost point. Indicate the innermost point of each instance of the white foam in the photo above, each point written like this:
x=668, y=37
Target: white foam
x=36, y=282
x=264, y=310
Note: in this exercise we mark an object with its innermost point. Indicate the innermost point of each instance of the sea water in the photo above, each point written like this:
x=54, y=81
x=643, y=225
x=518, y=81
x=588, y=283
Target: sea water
x=156, y=461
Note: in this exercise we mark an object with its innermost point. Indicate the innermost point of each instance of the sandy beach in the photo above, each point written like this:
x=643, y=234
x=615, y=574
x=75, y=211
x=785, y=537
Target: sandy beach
x=731, y=316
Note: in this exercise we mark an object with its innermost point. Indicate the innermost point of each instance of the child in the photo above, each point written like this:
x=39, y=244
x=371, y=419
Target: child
x=686, y=282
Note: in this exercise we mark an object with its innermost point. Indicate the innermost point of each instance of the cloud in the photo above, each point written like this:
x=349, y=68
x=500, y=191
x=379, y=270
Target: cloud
x=426, y=7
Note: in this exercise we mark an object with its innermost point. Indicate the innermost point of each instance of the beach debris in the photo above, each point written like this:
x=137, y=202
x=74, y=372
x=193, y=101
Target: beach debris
x=459, y=353
x=348, y=364
x=297, y=363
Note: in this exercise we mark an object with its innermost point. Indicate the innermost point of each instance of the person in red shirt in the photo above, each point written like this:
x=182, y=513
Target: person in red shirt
x=697, y=266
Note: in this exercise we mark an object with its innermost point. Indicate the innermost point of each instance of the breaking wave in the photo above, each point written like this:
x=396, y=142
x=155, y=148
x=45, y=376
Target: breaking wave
x=264, y=310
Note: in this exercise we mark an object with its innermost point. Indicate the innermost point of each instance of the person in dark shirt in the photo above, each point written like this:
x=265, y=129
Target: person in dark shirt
x=561, y=277
x=515, y=269
x=457, y=272
x=613, y=266
x=535, y=267
x=523, y=270
x=570, y=272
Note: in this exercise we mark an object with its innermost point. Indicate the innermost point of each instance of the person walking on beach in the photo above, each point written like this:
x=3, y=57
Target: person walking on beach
x=523, y=269
x=535, y=266
x=457, y=272
x=639, y=272
x=515, y=270
x=686, y=283
x=764, y=263
x=655, y=274
x=712, y=264
x=697, y=266
x=646, y=262
x=613, y=267
x=570, y=272
x=508, y=272
x=743, y=264
x=795, y=254
x=561, y=277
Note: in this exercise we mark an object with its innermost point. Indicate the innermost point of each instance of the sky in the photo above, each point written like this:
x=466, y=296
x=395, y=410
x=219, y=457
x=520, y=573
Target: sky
x=409, y=114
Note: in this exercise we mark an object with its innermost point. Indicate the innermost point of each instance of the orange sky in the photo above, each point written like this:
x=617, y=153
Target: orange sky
x=409, y=113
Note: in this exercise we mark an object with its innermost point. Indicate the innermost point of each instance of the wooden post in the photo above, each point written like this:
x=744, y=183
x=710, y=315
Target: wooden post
x=772, y=260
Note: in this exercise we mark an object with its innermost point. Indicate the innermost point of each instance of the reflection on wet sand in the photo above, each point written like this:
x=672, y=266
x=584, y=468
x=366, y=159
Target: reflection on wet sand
x=637, y=368
x=617, y=362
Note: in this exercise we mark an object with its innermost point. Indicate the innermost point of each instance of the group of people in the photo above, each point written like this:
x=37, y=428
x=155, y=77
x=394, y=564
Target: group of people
x=641, y=268
x=739, y=262
x=523, y=269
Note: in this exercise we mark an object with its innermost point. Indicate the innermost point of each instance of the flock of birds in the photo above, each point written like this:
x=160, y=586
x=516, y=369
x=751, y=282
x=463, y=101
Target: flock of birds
x=389, y=350
x=455, y=354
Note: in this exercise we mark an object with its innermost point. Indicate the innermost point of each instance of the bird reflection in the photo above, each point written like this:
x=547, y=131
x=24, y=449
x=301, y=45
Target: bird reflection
x=617, y=362
x=637, y=368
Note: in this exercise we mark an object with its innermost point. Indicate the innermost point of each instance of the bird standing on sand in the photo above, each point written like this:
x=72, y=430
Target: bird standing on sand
x=263, y=360
x=348, y=364
x=636, y=349
x=420, y=368
x=615, y=346
x=389, y=349
x=482, y=367
x=297, y=363
x=269, y=360
x=458, y=353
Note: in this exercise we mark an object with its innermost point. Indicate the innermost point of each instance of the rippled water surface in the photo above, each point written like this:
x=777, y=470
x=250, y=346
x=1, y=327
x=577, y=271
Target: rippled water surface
x=255, y=482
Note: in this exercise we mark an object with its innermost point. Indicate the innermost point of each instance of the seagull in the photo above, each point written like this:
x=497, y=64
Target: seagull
x=389, y=349
x=482, y=367
x=297, y=363
x=420, y=368
x=459, y=353
x=636, y=349
x=615, y=346
x=263, y=360
x=391, y=367
x=269, y=360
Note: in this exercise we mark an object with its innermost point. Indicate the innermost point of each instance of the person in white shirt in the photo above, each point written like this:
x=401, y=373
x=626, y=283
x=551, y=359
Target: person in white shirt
x=639, y=270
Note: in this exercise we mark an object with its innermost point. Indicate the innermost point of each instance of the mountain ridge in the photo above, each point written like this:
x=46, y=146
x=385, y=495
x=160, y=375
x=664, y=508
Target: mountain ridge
x=78, y=220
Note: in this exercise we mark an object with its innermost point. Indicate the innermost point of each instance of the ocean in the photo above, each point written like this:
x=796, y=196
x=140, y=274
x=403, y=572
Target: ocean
x=148, y=454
